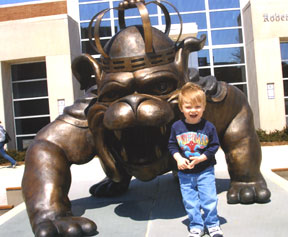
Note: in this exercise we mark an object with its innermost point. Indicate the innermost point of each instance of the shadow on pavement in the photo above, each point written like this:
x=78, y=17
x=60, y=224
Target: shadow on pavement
x=156, y=199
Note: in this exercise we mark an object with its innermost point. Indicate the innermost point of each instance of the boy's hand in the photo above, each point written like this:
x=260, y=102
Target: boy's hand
x=194, y=160
x=182, y=163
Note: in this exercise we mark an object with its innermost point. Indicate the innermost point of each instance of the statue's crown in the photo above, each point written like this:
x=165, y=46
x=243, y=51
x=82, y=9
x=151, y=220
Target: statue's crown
x=151, y=56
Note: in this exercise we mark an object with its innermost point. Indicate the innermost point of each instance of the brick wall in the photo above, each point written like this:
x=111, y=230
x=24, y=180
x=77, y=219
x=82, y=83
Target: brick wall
x=32, y=10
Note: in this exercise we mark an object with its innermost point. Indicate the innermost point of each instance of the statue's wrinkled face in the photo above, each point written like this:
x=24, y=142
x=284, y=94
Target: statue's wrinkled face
x=132, y=119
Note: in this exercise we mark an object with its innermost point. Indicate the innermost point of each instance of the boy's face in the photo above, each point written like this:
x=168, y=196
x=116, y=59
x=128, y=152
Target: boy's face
x=192, y=112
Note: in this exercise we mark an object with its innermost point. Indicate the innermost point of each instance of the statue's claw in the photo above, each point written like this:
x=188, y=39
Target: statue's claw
x=109, y=188
x=247, y=193
x=66, y=226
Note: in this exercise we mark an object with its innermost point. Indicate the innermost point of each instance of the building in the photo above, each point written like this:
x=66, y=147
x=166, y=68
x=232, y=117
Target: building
x=246, y=46
x=266, y=43
x=38, y=43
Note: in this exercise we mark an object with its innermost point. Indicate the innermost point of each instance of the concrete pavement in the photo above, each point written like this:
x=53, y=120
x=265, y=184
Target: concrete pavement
x=155, y=208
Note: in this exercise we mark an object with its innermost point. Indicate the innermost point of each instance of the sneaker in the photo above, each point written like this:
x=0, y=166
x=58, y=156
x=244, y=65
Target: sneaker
x=194, y=232
x=12, y=166
x=215, y=231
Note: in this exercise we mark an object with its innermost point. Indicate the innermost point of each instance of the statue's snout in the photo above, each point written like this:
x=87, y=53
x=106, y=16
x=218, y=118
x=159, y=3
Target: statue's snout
x=138, y=110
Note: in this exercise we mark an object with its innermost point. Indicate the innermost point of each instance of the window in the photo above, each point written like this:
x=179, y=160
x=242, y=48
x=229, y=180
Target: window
x=203, y=58
x=104, y=31
x=87, y=11
x=152, y=9
x=188, y=5
x=220, y=37
x=204, y=72
x=223, y=4
x=198, y=18
x=221, y=19
x=284, y=59
x=30, y=101
x=15, y=1
x=232, y=74
x=224, y=56
x=87, y=0
x=87, y=48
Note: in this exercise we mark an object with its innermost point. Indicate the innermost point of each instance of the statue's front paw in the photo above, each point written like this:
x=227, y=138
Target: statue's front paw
x=66, y=226
x=247, y=193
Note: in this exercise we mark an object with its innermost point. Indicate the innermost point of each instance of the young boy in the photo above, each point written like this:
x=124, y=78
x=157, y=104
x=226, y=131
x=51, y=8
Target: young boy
x=193, y=143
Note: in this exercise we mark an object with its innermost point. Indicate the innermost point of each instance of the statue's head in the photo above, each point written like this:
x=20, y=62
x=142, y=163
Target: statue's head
x=138, y=77
x=126, y=50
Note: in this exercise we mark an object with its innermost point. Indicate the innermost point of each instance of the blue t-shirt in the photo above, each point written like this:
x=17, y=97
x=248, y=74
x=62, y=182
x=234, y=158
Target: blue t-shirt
x=194, y=140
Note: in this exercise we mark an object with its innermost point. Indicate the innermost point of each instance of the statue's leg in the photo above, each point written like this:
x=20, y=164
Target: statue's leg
x=243, y=155
x=45, y=185
x=109, y=188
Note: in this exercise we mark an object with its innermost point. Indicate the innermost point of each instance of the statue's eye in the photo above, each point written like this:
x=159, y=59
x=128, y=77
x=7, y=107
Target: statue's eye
x=112, y=93
x=162, y=87
x=109, y=96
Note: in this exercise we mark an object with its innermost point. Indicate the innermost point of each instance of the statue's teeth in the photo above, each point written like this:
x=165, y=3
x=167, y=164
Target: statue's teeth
x=124, y=154
x=163, y=130
x=118, y=134
x=158, y=152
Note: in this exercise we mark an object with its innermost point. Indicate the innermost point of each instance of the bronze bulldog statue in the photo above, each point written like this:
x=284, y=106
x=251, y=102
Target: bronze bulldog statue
x=124, y=119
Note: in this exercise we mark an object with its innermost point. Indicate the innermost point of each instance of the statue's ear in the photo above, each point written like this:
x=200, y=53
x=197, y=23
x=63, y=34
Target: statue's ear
x=193, y=44
x=186, y=47
x=86, y=70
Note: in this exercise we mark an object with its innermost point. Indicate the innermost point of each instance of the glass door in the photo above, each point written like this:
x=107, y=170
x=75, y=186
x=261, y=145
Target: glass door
x=30, y=101
x=284, y=59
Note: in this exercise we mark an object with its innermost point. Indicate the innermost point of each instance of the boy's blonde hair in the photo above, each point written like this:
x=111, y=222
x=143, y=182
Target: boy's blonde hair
x=191, y=93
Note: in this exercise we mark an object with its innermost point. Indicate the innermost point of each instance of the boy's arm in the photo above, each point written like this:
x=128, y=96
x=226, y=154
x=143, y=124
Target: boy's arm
x=194, y=160
x=213, y=145
x=182, y=163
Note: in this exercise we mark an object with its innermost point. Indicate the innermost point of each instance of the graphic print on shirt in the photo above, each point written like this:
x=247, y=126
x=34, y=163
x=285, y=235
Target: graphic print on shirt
x=191, y=143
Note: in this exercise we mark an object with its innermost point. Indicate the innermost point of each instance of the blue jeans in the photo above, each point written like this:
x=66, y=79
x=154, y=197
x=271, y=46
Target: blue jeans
x=199, y=192
x=5, y=155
